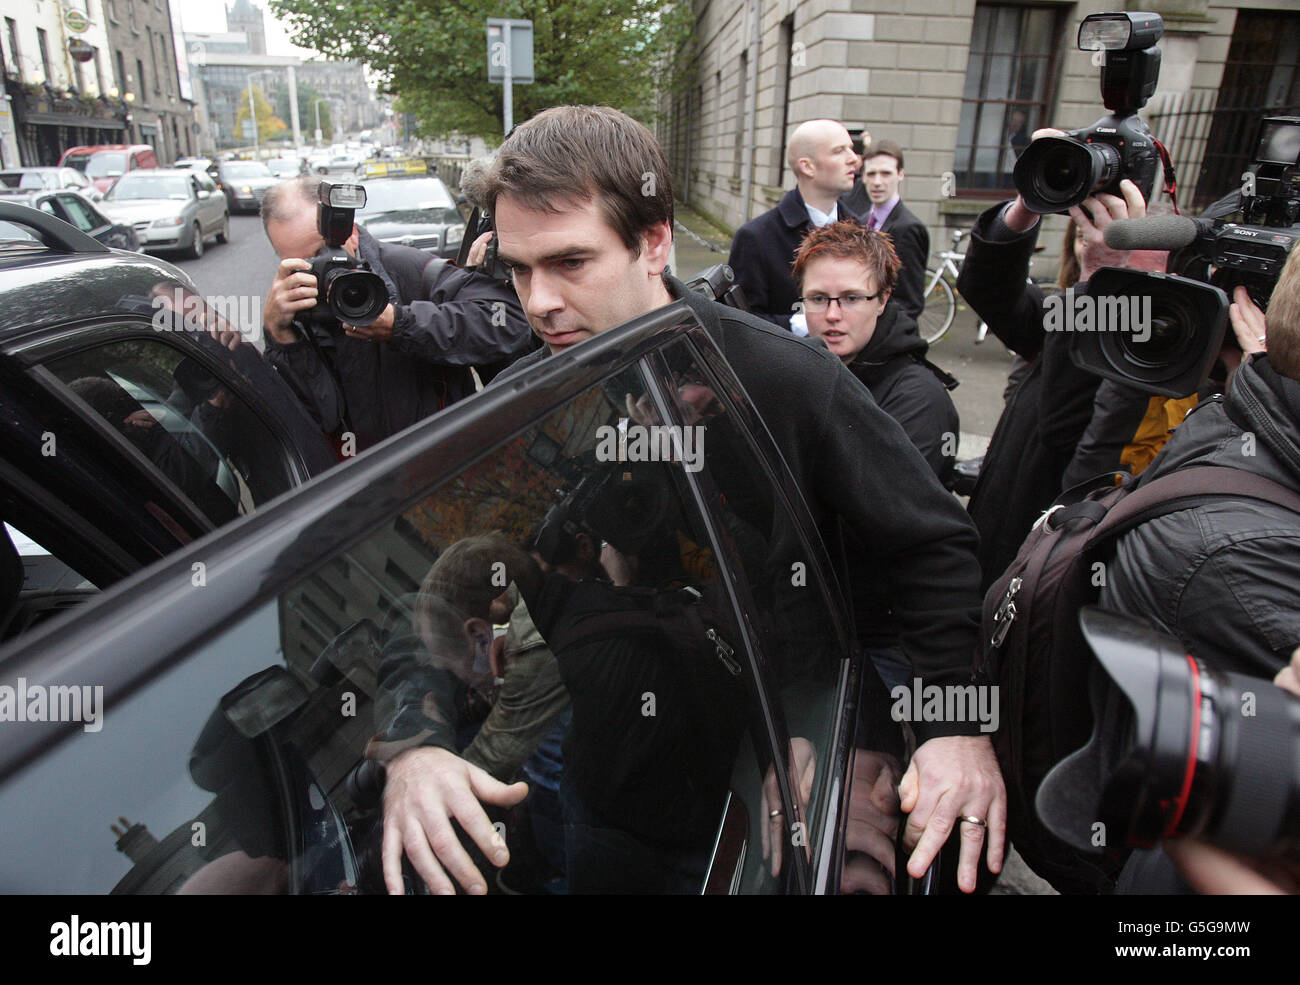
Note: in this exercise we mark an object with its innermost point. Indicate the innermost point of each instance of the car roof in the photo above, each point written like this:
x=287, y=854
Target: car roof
x=92, y=148
x=45, y=288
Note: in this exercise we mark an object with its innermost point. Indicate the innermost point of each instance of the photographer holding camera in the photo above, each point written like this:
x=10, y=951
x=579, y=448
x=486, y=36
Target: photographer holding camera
x=382, y=370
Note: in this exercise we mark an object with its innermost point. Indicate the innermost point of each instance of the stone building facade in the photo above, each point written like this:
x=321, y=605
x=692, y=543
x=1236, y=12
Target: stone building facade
x=948, y=80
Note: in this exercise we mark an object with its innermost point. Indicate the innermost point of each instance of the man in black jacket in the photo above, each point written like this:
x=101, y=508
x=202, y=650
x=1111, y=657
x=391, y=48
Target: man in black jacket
x=1222, y=577
x=875, y=198
x=588, y=252
x=820, y=153
x=373, y=381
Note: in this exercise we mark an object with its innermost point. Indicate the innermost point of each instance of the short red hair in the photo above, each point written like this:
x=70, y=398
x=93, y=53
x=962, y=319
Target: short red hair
x=848, y=239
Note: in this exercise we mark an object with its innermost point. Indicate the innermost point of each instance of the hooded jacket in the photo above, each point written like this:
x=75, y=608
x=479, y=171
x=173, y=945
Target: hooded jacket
x=909, y=388
x=446, y=321
x=1223, y=577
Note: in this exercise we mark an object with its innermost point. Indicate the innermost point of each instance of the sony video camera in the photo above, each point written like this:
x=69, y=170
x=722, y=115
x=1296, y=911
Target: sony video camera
x=1178, y=749
x=347, y=290
x=1055, y=173
x=1242, y=240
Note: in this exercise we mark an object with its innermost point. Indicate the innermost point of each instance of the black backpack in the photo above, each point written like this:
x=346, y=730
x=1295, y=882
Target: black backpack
x=1032, y=647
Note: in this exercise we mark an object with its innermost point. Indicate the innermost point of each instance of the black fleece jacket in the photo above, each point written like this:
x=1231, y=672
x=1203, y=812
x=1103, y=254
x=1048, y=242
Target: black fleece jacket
x=857, y=469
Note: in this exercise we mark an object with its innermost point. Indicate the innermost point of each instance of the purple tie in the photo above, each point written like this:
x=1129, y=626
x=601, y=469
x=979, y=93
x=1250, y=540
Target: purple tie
x=871, y=222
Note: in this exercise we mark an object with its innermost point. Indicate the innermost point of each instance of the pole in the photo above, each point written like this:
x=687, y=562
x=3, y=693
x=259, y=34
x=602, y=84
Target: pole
x=316, y=107
x=508, y=96
x=252, y=112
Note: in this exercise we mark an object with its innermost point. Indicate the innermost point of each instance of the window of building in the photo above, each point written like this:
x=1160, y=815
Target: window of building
x=139, y=79
x=153, y=53
x=15, y=53
x=121, y=75
x=1010, y=81
x=43, y=44
x=99, y=74
x=1261, y=77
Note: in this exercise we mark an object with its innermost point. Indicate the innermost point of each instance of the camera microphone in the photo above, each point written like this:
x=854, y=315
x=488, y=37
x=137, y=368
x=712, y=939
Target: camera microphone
x=1162, y=232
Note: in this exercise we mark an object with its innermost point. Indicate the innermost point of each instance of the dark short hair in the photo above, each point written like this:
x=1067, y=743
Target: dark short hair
x=473, y=571
x=279, y=200
x=848, y=239
x=572, y=154
x=886, y=147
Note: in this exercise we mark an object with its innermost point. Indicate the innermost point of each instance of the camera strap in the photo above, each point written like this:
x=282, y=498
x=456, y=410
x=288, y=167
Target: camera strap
x=1171, y=182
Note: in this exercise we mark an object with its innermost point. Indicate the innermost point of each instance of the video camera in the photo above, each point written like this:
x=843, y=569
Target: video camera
x=1175, y=753
x=1056, y=173
x=347, y=290
x=1242, y=240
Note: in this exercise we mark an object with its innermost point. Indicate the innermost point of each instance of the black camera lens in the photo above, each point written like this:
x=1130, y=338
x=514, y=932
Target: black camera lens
x=1178, y=749
x=357, y=297
x=1056, y=173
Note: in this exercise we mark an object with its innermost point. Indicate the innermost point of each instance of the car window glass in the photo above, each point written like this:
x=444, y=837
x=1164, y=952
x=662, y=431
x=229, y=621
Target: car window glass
x=48, y=205
x=801, y=642
x=633, y=718
x=50, y=583
x=78, y=213
x=173, y=410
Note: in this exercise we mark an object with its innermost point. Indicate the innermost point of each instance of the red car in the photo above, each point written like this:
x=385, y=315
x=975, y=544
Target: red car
x=105, y=163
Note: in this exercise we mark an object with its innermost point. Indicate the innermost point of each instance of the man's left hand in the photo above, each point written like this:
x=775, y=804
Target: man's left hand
x=379, y=330
x=950, y=778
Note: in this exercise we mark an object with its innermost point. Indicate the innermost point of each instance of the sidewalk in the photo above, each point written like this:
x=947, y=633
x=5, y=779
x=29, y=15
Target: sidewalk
x=691, y=255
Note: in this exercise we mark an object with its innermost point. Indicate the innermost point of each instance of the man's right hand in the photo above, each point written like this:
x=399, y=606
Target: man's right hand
x=292, y=291
x=424, y=789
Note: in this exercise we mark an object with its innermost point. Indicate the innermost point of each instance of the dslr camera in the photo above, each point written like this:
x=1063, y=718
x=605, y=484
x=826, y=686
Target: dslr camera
x=1056, y=173
x=1242, y=240
x=347, y=290
x=1178, y=749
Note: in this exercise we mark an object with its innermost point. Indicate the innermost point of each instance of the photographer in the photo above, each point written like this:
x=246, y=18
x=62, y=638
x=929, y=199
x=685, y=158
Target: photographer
x=1221, y=577
x=413, y=360
x=1036, y=439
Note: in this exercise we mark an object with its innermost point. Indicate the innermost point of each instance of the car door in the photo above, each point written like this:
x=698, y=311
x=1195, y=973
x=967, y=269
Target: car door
x=242, y=739
x=215, y=204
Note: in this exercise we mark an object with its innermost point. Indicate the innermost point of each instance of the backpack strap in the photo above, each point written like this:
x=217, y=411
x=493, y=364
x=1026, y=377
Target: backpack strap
x=1186, y=489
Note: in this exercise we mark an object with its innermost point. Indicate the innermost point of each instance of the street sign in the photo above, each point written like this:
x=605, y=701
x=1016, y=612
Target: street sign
x=521, y=50
x=248, y=128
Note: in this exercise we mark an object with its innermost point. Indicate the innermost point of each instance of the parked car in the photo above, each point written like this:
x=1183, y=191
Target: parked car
x=170, y=209
x=47, y=179
x=287, y=167
x=243, y=182
x=340, y=164
x=77, y=211
x=196, y=163
x=416, y=211
x=129, y=432
x=246, y=714
x=103, y=164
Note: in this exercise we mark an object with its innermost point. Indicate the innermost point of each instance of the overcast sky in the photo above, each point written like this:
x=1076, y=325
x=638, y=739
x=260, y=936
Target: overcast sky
x=207, y=15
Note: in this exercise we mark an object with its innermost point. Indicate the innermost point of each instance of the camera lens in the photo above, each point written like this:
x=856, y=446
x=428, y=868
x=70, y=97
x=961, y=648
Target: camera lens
x=1178, y=748
x=357, y=297
x=1055, y=173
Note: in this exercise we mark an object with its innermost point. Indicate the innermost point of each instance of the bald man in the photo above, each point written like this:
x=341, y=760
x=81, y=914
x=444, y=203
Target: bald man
x=820, y=154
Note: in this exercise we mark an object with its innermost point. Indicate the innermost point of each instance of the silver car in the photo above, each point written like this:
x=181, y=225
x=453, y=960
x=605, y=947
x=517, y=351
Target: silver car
x=25, y=180
x=169, y=208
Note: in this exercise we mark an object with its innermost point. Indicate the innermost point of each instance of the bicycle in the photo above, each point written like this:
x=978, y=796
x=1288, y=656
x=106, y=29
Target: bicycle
x=941, y=294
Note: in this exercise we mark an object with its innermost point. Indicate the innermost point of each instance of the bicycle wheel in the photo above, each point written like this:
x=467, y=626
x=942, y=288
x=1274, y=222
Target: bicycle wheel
x=940, y=309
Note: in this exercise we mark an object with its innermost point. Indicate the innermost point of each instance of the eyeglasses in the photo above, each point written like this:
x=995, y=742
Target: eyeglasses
x=847, y=302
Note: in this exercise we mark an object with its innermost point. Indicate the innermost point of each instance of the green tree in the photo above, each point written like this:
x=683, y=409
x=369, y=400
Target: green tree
x=269, y=125
x=433, y=53
x=307, y=97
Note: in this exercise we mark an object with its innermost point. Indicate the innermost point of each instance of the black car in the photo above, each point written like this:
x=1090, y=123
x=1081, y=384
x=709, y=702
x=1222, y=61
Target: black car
x=129, y=431
x=414, y=210
x=243, y=182
x=253, y=682
x=78, y=212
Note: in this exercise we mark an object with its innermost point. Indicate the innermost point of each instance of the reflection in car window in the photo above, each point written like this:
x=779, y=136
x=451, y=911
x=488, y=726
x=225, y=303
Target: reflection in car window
x=180, y=416
x=79, y=212
x=129, y=188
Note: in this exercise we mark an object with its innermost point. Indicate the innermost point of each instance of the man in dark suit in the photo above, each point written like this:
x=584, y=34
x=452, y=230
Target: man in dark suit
x=820, y=154
x=877, y=202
